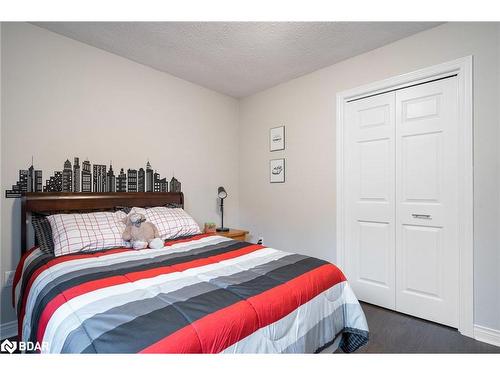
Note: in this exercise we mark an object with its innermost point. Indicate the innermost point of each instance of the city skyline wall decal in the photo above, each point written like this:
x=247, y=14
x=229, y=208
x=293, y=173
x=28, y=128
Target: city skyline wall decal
x=87, y=178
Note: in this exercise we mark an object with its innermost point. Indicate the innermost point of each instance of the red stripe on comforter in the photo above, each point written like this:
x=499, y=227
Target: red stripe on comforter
x=19, y=272
x=216, y=332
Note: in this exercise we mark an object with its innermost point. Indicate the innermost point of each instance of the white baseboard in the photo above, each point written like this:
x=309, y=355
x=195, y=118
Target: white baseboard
x=487, y=335
x=8, y=329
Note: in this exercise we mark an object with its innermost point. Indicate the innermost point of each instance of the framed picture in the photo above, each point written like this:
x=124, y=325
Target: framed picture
x=277, y=171
x=277, y=138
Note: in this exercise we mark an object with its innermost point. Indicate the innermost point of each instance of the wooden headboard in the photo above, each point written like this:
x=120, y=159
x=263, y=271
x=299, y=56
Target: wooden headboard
x=85, y=202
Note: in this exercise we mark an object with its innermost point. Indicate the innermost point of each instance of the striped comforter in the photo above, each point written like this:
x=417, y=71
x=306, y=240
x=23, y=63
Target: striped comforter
x=203, y=294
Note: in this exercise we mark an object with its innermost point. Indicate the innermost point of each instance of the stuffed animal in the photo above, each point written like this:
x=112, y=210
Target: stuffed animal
x=140, y=233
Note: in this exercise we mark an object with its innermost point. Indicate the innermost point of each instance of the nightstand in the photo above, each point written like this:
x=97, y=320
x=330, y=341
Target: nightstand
x=235, y=234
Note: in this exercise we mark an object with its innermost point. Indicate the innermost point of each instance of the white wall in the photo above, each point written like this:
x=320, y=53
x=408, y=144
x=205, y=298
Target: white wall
x=300, y=214
x=62, y=98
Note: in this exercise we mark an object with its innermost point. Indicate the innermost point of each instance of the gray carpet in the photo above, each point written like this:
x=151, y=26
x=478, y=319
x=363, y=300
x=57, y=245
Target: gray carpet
x=392, y=332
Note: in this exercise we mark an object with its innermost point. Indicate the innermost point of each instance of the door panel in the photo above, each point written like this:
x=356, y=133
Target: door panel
x=426, y=201
x=374, y=156
x=421, y=167
x=422, y=249
x=373, y=262
x=423, y=107
x=370, y=257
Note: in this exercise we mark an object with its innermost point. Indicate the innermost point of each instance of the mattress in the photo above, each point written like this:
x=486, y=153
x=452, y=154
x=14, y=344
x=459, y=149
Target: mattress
x=202, y=294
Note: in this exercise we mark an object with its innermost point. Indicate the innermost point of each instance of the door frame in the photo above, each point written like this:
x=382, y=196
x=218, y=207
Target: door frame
x=462, y=68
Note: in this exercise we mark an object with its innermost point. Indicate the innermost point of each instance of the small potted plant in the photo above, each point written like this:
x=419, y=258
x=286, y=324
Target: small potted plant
x=210, y=227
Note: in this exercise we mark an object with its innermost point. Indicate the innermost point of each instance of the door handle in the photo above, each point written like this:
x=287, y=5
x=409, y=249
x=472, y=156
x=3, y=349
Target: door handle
x=421, y=216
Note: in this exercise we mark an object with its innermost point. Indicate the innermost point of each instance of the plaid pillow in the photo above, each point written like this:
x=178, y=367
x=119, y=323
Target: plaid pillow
x=43, y=233
x=171, y=222
x=72, y=233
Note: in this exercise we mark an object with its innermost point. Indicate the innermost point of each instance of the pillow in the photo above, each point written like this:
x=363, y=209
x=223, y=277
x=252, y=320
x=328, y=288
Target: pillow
x=92, y=231
x=43, y=233
x=171, y=222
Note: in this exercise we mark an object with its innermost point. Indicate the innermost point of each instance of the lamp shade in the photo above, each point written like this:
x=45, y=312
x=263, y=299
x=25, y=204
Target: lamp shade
x=221, y=192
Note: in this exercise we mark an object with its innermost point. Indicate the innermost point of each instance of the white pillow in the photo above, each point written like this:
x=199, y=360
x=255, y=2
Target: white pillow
x=72, y=233
x=171, y=222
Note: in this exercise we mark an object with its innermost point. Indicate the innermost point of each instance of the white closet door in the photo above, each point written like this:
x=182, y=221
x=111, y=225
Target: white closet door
x=426, y=201
x=369, y=187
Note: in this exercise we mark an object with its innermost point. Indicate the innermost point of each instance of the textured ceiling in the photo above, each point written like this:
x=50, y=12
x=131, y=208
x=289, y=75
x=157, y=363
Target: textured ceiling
x=237, y=58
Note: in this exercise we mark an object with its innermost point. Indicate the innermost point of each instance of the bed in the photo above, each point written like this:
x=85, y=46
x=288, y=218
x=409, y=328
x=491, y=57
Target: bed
x=199, y=294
